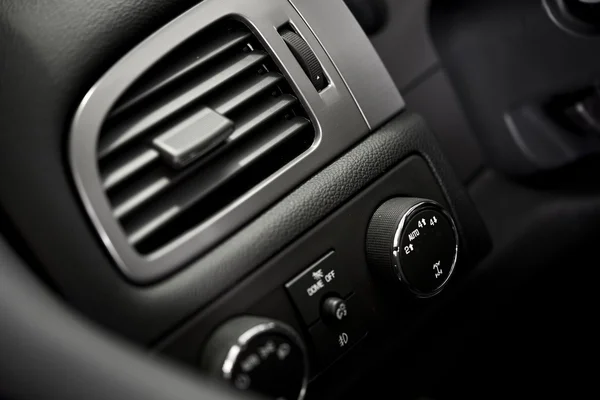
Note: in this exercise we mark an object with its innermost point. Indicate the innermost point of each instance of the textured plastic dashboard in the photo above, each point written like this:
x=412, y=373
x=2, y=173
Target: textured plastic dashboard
x=90, y=36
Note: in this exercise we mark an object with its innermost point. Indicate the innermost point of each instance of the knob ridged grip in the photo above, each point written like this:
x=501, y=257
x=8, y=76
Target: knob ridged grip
x=381, y=232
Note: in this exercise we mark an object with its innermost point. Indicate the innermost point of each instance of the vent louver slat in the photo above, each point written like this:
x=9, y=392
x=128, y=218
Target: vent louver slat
x=246, y=92
x=132, y=129
x=224, y=73
x=141, y=157
x=155, y=184
x=192, y=192
x=120, y=172
x=183, y=63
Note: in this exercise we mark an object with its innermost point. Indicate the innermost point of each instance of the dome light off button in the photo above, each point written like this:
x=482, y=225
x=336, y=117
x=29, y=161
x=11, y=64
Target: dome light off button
x=309, y=290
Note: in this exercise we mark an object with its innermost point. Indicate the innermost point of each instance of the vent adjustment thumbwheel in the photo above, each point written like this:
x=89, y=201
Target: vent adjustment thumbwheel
x=307, y=59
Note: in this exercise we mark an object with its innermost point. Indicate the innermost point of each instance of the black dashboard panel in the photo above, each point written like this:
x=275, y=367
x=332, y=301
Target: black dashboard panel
x=526, y=304
x=377, y=308
x=246, y=272
x=424, y=82
x=407, y=30
x=62, y=242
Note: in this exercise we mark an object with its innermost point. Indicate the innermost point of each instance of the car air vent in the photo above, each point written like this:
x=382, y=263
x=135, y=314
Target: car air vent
x=215, y=117
x=200, y=128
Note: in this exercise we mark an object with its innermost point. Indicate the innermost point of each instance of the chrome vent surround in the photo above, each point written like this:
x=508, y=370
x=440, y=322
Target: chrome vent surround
x=211, y=120
x=220, y=76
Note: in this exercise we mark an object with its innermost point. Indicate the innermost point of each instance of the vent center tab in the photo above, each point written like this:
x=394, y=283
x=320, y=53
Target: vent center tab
x=193, y=138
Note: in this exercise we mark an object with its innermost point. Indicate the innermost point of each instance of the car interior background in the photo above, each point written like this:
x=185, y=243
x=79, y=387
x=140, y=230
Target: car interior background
x=298, y=199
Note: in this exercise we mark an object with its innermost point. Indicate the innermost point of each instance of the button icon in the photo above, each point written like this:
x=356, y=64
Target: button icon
x=437, y=269
x=251, y=362
x=341, y=312
x=318, y=274
x=343, y=339
x=283, y=351
x=266, y=350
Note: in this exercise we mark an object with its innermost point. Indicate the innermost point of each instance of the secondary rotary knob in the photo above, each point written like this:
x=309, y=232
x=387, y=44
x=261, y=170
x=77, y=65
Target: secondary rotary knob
x=259, y=355
x=415, y=241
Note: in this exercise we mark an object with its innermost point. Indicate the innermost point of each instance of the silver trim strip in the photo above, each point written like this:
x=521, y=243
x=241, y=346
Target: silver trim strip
x=354, y=57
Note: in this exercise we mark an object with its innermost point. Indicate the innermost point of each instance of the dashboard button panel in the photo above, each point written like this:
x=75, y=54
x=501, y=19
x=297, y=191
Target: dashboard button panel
x=332, y=340
x=372, y=318
x=309, y=289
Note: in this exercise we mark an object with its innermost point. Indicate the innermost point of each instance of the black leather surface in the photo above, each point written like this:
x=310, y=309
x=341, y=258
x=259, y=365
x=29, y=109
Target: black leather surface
x=49, y=353
x=51, y=54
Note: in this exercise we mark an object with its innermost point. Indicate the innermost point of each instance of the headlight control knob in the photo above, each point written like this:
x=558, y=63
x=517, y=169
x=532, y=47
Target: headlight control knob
x=259, y=355
x=414, y=241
